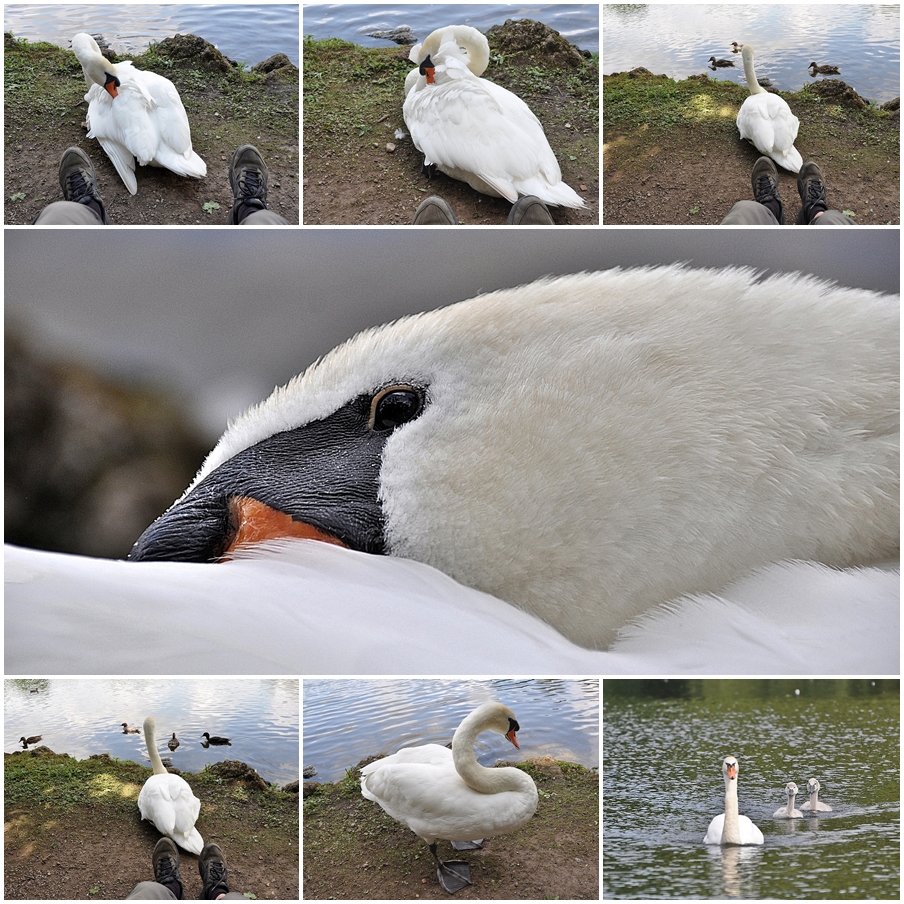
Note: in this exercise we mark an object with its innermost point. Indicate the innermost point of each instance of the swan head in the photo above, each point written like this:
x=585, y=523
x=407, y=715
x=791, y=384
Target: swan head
x=730, y=769
x=813, y=786
x=97, y=68
x=491, y=717
x=791, y=789
x=470, y=46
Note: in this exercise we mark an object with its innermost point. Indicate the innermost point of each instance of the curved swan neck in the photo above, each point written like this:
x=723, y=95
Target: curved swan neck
x=749, y=72
x=156, y=762
x=487, y=781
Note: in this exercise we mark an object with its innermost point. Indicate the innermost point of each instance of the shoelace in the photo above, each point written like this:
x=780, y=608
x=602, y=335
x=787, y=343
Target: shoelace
x=167, y=870
x=216, y=875
x=816, y=192
x=250, y=184
x=79, y=187
x=764, y=190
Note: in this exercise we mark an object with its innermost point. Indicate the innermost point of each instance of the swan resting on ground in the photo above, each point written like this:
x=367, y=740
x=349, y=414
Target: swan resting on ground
x=474, y=130
x=446, y=794
x=766, y=120
x=135, y=114
x=788, y=811
x=167, y=801
x=729, y=827
x=814, y=805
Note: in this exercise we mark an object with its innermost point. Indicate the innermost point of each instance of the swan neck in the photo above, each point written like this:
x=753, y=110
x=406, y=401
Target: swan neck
x=730, y=832
x=156, y=762
x=487, y=781
x=750, y=72
x=814, y=799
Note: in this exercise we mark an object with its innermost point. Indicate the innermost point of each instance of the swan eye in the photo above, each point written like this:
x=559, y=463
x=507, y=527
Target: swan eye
x=395, y=406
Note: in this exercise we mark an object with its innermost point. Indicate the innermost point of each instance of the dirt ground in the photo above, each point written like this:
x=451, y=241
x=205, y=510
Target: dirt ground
x=45, y=113
x=672, y=154
x=72, y=830
x=357, y=171
x=354, y=850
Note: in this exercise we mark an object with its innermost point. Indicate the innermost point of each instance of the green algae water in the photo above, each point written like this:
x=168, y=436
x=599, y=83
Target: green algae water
x=663, y=744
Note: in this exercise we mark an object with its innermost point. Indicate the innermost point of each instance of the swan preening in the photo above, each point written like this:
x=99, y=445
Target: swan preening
x=766, y=120
x=730, y=827
x=167, y=801
x=814, y=805
x=474, y=130
x=135, y=114
x=443, y=794
x=788, y=811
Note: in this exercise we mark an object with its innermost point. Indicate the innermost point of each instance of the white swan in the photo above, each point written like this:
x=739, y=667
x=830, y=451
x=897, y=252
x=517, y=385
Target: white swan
x=474, y=130
x=766, y=120
x=788, y=811
x=729, y=827
x=814, y=805
x=446, y=794
x=133, y=113
x=587, y=448
x=167, y=800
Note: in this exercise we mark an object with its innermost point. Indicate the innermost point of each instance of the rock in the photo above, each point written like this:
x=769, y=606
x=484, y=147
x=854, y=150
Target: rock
x=193, y=52
x=308, y=772
x=271, y=64
x=239, y=773
x=309, y=788
x=525, y=42
x=291, y=788
x=401, y=35
x=892, y=106
x=836, y=91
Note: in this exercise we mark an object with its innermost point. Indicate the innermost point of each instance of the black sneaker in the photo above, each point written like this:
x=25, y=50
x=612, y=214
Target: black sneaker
x=764, y=179
x=434, y=211
x=812, y=190
x=529, y=211
x=248, y=178
x=212, y=868
x=79, y=181
x=166, y=867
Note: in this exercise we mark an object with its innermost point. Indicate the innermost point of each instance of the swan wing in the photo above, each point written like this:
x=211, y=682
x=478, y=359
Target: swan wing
x=750, y=834
x=103, y=125
x=714, y=832
x=168, y=802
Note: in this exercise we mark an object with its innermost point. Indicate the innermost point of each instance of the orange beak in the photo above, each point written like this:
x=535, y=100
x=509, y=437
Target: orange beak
x=510, y=734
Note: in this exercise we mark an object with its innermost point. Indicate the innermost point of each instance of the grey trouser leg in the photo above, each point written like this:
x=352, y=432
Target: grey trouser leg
x=264, y=218
x=68, y=213
x=833, y=218
x=749, y=213
x=150, y=891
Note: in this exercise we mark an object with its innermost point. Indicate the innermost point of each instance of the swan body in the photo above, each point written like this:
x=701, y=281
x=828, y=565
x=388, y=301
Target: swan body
x=446, y=794
x=766, y=120
x=823, y=70
x=173, y=742
x=721, y=63
x=814, y=805
x=167, y=801
x=32, y=740
x=474, y=130
x=130, y=729
x=788, y=811
x=135, y=114
x=215, y=739
x=730, y=827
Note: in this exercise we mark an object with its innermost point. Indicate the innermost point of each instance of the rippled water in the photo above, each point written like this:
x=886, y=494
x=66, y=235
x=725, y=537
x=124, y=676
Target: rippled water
x=84, y=717
x=662, y=784
x=676, y=39
x=579, y=23
x=346, y=721
x=244, y=32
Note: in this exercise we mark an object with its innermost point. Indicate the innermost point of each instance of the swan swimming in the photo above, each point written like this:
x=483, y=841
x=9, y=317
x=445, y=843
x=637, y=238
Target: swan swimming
x=814, y=805
x=135, y=113
x=442, y=793
x=788, y=811
x=474, y=130
x=766, y=120
x=167, y=801
x=729, y=827
x=716, y=424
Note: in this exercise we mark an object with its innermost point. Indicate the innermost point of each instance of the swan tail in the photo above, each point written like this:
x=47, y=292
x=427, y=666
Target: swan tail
x=558, y=194
x=187, y=164
x=193, y=842
x=790, y=159
x=123, y=160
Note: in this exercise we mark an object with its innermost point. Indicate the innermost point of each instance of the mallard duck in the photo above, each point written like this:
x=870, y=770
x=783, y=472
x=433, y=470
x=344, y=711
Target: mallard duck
x=173, y=742
x=716, y=62
x=130, y=729
x=32, y=740
x=823, y=70
x=736, y=47
x=215, y=739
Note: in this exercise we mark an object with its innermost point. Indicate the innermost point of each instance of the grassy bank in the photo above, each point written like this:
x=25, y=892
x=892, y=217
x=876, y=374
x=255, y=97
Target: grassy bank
x=73, y=830
x=353, y=849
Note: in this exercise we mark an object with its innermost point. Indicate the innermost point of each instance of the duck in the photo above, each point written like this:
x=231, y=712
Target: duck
x=814, y=805
x=167, y=800
x=446, y=794
x=730, y=827
x=135, y=114
x=474, y=130
x=823, y=70
x=722, y=63
x=215, y=739
x=32, y=740
x=130, y=729
x=788, y=811
x=173, y=742
x=736, y=47
x=429, y=415
x=766, y=120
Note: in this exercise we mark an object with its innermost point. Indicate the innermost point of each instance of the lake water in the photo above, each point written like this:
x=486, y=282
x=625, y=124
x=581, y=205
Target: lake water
x=246, y=33
x=675, y=39
x=84, y=717
x=346, y=721
x=579, y=23
x=662, y=784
